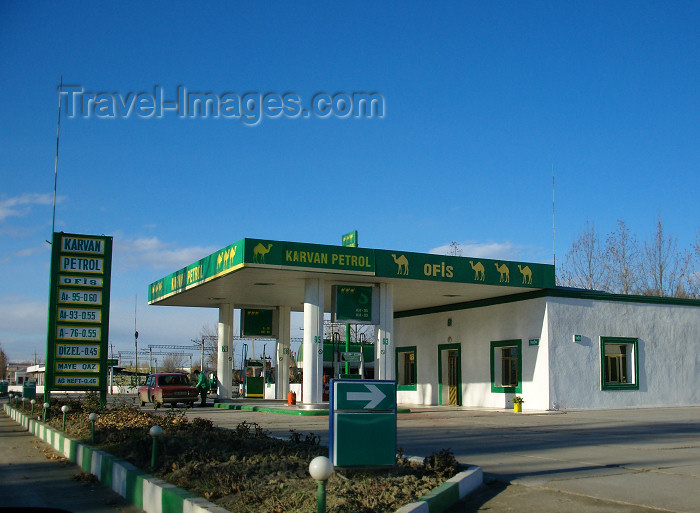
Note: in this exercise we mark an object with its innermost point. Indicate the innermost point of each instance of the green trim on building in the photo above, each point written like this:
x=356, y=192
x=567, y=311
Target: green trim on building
x=555, y=293
x=604, y=385
x=407, y=349
x=518, y=388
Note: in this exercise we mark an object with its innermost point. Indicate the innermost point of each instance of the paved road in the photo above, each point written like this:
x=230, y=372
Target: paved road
x=32, y=475
x=642, y=457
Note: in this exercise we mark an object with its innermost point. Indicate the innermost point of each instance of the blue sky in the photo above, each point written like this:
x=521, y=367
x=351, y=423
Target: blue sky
x=481, y=101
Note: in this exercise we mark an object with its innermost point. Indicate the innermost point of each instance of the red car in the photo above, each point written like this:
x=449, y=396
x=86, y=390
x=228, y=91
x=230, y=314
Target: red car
x=169, y=388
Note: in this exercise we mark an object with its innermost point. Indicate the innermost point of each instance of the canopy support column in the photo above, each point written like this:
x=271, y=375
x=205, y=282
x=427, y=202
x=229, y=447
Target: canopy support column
x=283, y=352
x=313, y=342
x=224, y=352
x=386, y=366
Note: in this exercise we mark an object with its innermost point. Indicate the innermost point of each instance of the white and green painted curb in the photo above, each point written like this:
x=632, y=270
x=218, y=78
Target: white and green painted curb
x=157, y=496
x=448, y=493
x=141, y=489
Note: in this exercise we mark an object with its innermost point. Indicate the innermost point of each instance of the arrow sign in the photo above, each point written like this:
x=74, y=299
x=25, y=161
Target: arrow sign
x=362, y=423
x=374, y=397
x=367, y=395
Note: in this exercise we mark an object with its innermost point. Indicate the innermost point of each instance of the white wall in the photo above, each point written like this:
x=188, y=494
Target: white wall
x=558, y=373
x=668, y=345
x=474, y=329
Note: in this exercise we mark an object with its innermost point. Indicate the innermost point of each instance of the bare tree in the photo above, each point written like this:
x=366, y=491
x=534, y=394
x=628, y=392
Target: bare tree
x=694, y=270
x=454, y=249
x=3, y=363
x=665, y=269
x=210, y=337
x=173, y=362
x=585, y=265
x=622, y=260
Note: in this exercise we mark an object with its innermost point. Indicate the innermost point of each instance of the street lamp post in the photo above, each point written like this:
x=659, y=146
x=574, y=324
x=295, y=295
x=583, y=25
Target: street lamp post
x=155, y=432
x=321, y=469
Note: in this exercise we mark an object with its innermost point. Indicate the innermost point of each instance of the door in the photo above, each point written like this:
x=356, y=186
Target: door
x=449, y=374
x=453, y=376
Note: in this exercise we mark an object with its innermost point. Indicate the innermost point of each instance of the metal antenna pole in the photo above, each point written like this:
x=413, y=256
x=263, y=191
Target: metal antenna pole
x=136, y=342
x=55, y=162
x=554, y=231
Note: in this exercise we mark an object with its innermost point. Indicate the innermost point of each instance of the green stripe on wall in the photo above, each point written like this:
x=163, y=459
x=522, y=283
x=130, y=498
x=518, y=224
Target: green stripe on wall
x=106, y=470
x=134, y=488
x=86, y=464
x=173, y=498
x=72, y=450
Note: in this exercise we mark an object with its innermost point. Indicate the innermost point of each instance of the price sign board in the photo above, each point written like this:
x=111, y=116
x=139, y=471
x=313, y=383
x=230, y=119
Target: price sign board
x=352, y=303
x=258, y=323
x=78, y=334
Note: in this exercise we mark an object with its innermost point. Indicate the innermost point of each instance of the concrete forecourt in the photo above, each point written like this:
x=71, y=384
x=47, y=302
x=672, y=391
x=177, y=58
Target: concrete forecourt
x=614, y=460
x=604, y=460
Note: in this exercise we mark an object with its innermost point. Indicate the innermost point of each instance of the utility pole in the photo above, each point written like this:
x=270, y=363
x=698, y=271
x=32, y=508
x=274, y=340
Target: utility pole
x=201, y=361
x=136, y=355
x=136, y=341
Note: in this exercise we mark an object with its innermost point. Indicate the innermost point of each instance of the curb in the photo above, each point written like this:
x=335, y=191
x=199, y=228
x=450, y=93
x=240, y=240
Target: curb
x=157, y=496
x=141, y=489
x=283, y=410
x=268, y=409
x=448, y=493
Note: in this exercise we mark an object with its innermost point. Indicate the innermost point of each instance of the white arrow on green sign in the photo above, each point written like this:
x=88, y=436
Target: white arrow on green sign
x=364, y=395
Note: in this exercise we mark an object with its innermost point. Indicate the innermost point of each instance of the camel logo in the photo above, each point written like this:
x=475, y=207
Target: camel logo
x=225, y=257
x=504, y=271
x=527, y=274
x=259, y=252
x=156, y=288
x=478, y=271
x=402, y=264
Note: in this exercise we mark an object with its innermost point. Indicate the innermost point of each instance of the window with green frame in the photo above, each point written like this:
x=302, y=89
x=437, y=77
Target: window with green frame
x=619, y=363
x=506, y=366
x=406, y=363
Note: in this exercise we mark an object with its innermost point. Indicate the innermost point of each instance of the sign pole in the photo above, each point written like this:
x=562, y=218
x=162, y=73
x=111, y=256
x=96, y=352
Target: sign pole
x=347, y=346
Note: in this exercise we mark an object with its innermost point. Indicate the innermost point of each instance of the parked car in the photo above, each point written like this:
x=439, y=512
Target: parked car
x=171, y=387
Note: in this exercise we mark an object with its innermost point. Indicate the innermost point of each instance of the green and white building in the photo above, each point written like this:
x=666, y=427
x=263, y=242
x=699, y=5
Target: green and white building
x=451, y=330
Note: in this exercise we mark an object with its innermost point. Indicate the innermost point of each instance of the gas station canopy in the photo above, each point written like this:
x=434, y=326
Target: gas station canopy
x=267, y=273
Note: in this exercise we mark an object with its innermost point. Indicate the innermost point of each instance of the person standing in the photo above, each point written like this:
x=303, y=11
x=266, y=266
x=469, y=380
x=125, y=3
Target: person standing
x=203, y=386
